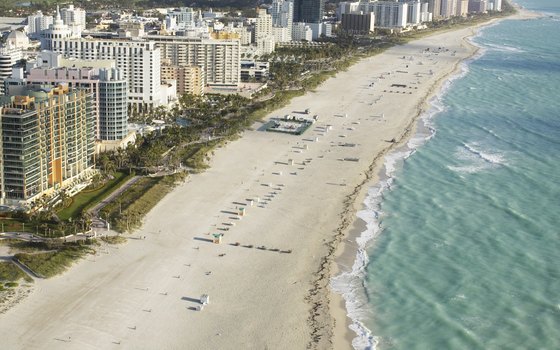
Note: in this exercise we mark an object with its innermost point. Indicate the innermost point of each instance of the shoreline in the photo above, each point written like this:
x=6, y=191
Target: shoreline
x=343, y=335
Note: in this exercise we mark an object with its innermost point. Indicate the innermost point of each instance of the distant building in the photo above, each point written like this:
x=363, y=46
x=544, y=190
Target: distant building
x=47, y=142
x=218, y=59
x=301, y=31
x=254, y=71
x=189, y=79
x=319, y=30
x=494, y=5
x=138, y=60
x=448, y=8
x=113, y=105
x=389, y=14
x=478, y=6
x=182, y=18
x=358, y=23
x=264, y=38
x=37, y=23
x=53, y=38
x=9, y=56
x=434, y=6
x=309, y=11
x=282, y=12
x=17, y=39
x=462, y=8
x=74, y=18
x=108, y=88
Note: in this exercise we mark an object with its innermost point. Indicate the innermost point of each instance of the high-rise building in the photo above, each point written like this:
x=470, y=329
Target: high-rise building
x=494, y=5
x=108, y=88
x=434, y=6
x=358, y=23
x=347, y=7
x=462, y=7
x=263, y=24
x=389, y=14
x=282, y=12
x=218, y=59
x=74, y=18
x=53, y=38
x=478, y=6
x=9, y=56
x=448, y=8
x=113, y=100
x=301, y=31
x=190, y=79
x=309, y=11
x=184, y=17
x=264, y=37
x=47, y=142
x=138, y=60
x=37, y=23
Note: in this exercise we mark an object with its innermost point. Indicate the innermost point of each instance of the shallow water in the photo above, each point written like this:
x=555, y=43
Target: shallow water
x=466, y=238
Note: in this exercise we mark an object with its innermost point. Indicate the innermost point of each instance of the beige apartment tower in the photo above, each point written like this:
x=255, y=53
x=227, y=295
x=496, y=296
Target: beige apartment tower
x=190, y=79
x=47, y=142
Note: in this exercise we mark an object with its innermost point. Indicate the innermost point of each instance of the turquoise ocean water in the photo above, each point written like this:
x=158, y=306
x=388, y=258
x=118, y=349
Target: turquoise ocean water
x=462, y=249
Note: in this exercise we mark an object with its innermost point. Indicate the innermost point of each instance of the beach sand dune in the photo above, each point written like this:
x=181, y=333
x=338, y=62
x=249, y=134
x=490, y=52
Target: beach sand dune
x=144, y=295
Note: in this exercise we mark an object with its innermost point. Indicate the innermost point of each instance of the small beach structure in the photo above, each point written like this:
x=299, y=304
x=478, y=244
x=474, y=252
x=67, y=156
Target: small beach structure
x=205, y=299
x=217, y=238
x=289, y=125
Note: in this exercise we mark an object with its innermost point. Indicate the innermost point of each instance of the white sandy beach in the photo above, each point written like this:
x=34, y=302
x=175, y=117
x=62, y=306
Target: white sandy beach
x=141, y=295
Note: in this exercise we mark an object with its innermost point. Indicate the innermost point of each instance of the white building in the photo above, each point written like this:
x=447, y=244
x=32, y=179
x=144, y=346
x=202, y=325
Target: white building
x=182, y=18
x=263, y=24
x=138, y=60
x=281, y=34
x=264, y=37
x=282, y=12
x=346, y=7
x=494, y=5
x=74, y=18
x=17, y=39
x=418, y=12
x=37, y=23
x=9, y=56
x=389, y=14
x=53, y=37
x=301, y=31
x=113, y=100
x=448, y=8
x=319, y=30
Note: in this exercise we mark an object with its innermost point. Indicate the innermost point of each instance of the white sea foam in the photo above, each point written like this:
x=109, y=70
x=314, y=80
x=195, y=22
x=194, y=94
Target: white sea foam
x=475, y=158
x=487, y=156
x=503, y=48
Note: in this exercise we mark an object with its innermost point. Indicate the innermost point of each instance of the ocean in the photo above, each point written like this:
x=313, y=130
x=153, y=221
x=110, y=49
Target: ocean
x=462, y=247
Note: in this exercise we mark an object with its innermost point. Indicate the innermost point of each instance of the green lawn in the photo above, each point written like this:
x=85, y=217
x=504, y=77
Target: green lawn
x=126, y=212
x=86, y=199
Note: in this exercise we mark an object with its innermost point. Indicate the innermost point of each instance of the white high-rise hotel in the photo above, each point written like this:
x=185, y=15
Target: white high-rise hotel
x=139, y=61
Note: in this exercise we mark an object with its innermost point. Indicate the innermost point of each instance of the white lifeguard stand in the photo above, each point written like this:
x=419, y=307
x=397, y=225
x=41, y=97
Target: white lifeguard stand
x=205, y=299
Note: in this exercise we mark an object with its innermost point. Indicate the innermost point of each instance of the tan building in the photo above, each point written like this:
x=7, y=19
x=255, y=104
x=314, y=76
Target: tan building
x=48, y=142
x=190, y=79
x=218, y=59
